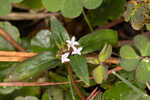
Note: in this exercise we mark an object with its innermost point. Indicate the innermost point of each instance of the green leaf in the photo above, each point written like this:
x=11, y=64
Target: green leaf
x=7, y=90
x=105, y=53
x=53, y=5
x=129, y=64
x=33, y=4
x=143, y=71
x=59, y=33
x=92, y=4
x=120, y=91
x=109, y=10
x=13, y=32
x=17, y=1
x=79, y=66
x=137, y=14
x=5, y=7
x=33, y=67
x=25, y=43
x=59, y=78
x=53, y=93
x=142, y=44
x=75, y=8
x=100, y=74
x=26, y=98
x=27, y=91
x=43, y=41
x=96, y=40
x=127, y=52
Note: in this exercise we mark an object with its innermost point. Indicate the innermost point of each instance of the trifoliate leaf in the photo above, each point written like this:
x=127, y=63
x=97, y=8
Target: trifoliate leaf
x=142, y=44
x=70, y=8
x=127, y=52
x=92, y=4
x=129, y=64
x=75, y=8
x=143, y=71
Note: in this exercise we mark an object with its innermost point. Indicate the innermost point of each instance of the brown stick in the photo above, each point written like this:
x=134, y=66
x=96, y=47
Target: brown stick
x=12, y=59
x=12, y=41
x=111, y=24
x=16, y=54
x=92, y=93
x=27, y=16
x=112, y=60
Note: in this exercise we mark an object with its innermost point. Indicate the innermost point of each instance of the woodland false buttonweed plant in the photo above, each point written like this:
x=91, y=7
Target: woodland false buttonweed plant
x=72, y=48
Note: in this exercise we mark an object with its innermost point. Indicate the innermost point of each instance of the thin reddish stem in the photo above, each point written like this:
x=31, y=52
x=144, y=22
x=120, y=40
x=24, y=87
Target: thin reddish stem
x=11, y=40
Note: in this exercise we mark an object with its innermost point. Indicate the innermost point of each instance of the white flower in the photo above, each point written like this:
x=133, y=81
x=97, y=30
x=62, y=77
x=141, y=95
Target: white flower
x=64, y=57
x=77, y=50
x=72, y=42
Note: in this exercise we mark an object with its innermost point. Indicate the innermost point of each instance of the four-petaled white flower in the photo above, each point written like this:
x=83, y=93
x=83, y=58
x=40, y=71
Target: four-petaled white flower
x=77, y=50
x=64, y=57
x=72, y=42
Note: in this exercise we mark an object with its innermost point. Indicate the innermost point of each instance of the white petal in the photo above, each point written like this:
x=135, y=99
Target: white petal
x=64, y=57
x=73, y=39
x=77, y=50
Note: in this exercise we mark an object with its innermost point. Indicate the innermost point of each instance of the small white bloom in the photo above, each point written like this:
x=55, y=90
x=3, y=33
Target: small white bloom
x=72, y=42
x=77, y=50
x=64, y=57
x=146, y=60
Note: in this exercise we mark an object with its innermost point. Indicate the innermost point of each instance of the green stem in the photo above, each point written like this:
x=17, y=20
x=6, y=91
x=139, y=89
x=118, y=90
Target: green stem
x=87, y=21
x=130, y=85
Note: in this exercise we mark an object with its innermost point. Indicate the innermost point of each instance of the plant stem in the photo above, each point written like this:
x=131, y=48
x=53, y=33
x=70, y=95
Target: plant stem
x=129, y=84
x=11, y=40
x=87, y=21
x=73, y=82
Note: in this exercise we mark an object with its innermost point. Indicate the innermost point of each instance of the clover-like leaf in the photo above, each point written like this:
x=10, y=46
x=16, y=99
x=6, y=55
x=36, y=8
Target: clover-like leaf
x=79, y=66
x=143, y=71
x=92, y=4
x=5, y=7
x=59, y=33
x=96, y=40
x=100, y=74
x=127, y=52
x=43, y=41
x=142, y=44
x=109, y=10
x=105, y=53
x=129, y=64
x=70, y=8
